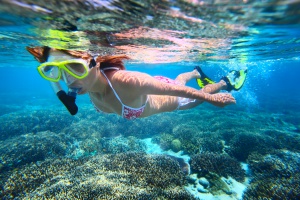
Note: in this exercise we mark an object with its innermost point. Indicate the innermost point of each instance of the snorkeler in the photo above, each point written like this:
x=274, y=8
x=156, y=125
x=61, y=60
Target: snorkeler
x=130, y=94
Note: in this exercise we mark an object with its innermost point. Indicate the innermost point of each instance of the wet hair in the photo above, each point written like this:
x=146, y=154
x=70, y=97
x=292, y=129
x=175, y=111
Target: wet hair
x=105, y=61
x=42, y=53
x=112, y=61
x=77, y=54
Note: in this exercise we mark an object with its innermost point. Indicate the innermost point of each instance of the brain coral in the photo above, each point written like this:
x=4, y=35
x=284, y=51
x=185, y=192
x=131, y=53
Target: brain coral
x=176, y=145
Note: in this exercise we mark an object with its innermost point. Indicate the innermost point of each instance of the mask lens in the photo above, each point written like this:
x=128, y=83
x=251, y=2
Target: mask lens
x=76, y=68
x=51, y=71
x=67, y=78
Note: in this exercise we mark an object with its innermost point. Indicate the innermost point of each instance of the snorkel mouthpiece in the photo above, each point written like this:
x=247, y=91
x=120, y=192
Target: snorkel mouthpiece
x=67, y=99
x=73, y=92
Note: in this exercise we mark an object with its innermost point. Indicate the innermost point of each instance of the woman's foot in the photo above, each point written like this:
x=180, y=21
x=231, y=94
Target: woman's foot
x=196, y=73
x=223, y=84
x=203, y=80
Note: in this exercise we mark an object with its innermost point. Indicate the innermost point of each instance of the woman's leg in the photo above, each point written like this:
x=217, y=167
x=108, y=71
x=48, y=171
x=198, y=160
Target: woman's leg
x=211, y=88
x=186, y=77
x=215, y=88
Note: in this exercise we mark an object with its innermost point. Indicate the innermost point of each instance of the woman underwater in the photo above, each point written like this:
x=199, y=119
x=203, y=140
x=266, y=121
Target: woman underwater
x=130, y=94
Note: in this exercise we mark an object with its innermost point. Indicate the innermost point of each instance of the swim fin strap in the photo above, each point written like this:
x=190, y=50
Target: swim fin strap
x=204, y=80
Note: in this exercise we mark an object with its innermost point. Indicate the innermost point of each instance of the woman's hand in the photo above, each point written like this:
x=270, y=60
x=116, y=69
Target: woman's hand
x=220, y=99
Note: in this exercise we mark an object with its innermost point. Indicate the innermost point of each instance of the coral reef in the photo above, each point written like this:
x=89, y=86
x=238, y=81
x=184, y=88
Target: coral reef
x=150, y=126
x=192, y=137
x=85, y=128
x=215, y=174
x=122, y=145
x=164, y=140
x=186, y=134
x=176, y=145
x=23, y=122
x=185, y=166
x=189, y=136
x=243, y=144
x=121, y=176
x=212, y=186
x=29, y=137
x=31, y=147
x=216, y=184
x=275, y=176
x=289, y=140
x=5, y=109
x=221, y=164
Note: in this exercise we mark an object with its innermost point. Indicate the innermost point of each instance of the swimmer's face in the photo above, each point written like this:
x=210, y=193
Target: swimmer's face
x=82, y=85
x=46, y=54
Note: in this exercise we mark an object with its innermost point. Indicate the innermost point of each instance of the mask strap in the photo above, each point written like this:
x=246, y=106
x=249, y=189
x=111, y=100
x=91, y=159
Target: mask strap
x=46, y=53
x=92, y=63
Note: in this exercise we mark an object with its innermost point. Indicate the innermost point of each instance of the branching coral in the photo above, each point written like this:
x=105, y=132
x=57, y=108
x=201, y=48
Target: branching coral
x=23, y=122
x=189, y=136
x=161, y=171
x=32, y=148
x=121, y=176
x=243, y=144
x=275, y=176
x=122, y=145
x=164, y=140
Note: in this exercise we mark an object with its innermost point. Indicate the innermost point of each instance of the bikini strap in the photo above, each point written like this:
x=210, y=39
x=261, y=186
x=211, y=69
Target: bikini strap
x=108, y=68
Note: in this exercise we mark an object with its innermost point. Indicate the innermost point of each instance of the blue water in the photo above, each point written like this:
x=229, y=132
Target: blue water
x=260, y=133
x=274, y=86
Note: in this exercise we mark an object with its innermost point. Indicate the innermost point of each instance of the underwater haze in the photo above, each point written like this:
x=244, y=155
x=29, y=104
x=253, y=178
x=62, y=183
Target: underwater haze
x=249, y=151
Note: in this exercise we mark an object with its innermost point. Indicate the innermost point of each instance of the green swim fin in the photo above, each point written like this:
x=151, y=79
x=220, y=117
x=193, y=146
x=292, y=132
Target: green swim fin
x=235, y=79
x=204, y=80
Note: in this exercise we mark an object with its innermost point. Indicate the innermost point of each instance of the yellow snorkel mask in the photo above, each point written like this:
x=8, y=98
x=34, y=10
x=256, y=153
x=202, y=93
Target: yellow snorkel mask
x=52, y=71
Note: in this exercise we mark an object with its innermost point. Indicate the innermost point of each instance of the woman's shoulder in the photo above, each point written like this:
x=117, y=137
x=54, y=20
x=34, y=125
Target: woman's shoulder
x=130, y=79
x=127, y=75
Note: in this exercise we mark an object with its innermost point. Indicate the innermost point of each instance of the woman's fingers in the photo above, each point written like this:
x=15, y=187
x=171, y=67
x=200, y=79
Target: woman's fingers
x=222, y=99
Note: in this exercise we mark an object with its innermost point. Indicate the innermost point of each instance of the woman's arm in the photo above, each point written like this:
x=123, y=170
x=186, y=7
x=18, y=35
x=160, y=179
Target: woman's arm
x=140, y=83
